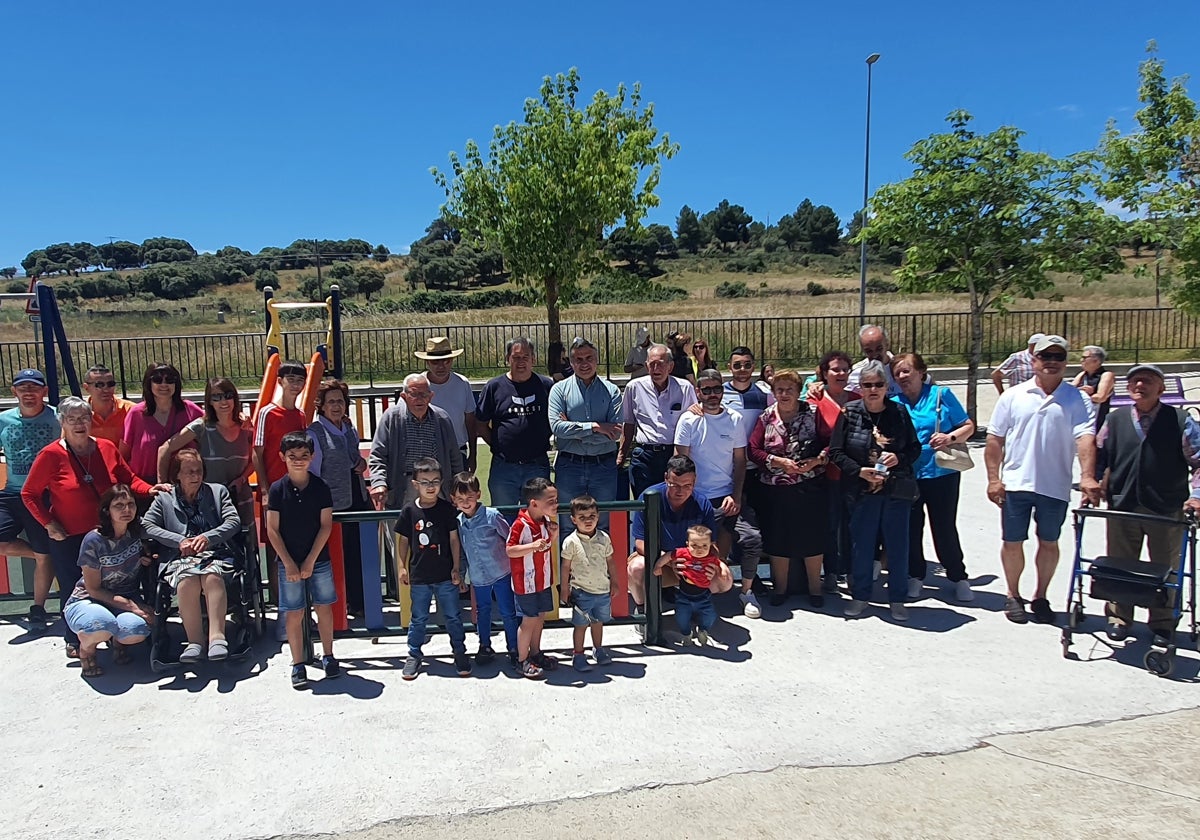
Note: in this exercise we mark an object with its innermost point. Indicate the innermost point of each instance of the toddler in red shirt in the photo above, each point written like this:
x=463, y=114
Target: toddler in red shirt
x=696, y=564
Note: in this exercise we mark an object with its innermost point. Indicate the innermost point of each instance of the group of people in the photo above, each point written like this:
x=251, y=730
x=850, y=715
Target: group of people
x=833, y=478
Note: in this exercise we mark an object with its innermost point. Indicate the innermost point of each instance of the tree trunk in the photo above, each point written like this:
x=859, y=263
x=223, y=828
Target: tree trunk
x=975, y=357
x=554, y=328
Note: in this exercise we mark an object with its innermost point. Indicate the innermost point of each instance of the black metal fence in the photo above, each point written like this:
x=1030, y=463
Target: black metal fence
x=386, y=354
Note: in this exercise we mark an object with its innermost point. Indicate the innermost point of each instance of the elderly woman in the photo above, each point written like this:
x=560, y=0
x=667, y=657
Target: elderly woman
x=680, y=358
x=875, y=446
x=195, y=522
x=225, y=441
x=1097, y=383
x=940, y=421
x=162, y=413
x=105, y=605
x=340, y=464
x=792, y=510
x=63, y=492
x=833, y=375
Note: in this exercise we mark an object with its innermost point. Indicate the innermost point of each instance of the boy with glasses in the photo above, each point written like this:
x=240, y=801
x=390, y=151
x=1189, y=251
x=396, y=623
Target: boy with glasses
x=429, y=559
x=108, y=410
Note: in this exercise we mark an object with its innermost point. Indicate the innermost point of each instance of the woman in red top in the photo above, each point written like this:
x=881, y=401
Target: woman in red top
x=833, y=373
x=73, y=474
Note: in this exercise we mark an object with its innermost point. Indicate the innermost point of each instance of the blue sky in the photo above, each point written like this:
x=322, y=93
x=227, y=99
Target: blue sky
x=257, y=123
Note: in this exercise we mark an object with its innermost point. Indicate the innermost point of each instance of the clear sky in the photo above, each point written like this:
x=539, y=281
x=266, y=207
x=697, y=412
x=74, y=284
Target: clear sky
x=257, y=123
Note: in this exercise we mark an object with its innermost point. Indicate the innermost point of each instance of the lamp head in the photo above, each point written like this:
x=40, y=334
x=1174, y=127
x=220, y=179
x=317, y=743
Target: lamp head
x=872, y=58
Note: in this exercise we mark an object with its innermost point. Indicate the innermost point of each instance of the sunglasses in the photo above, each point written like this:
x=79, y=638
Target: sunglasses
x=873, y=385
x=711, y=390
x=164, y=379
x=742, y=366
x=700, y=346
x=228, y=395
x=109, y=384
x=1052, y=357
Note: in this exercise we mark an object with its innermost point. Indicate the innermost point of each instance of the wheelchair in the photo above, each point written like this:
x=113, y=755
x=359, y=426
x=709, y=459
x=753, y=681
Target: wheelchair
x=1131, y=580
x=246, y=611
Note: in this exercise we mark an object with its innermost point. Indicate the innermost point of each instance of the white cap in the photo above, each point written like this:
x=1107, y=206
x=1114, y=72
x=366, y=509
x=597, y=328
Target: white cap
x=1035, y=338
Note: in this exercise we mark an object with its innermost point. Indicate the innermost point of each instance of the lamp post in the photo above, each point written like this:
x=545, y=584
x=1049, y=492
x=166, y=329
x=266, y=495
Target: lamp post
x=862, y=258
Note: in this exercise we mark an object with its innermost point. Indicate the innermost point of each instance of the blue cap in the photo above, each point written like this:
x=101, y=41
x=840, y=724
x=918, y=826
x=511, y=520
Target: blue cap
x=28, y=375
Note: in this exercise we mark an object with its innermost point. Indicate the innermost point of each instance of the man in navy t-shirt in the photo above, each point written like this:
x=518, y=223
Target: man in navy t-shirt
x=513, y=414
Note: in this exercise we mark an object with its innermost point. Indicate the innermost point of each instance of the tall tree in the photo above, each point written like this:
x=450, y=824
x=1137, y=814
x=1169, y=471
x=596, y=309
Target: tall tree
x=982, y=215
x=1154, y=173
x=727, y=223
x=551, y=184
x=687, y=230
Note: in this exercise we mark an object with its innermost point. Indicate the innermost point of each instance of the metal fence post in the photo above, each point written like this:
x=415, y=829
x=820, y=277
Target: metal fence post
x=607, y=353
x=653, y=545
x=121, y=369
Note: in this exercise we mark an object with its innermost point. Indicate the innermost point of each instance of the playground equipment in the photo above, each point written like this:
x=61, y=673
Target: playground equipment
x=42, y=306
x=331, y=350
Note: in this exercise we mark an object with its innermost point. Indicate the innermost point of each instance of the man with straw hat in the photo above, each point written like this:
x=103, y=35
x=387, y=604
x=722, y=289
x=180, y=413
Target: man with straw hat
x=451, y=392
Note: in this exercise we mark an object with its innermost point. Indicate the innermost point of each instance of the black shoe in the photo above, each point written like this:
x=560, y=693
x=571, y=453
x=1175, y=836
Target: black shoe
x=816, y=601
x=485, y=655
x=411, y=666
x=38, y=614
x=778, y=599
x=1116, y=632
x=299, y=677
x=544, y=661
x=462, y=664
x=1042, y=614
x=1163, y=638
x=330, y=666
x=513, y=659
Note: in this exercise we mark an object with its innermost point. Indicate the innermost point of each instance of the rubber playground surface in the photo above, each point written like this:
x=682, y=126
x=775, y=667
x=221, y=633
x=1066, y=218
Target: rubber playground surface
x=232, y=751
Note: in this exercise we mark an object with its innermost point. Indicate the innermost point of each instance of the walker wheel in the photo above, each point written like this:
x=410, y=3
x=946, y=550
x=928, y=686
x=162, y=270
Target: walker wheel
x=1160, y=662
x=1066, y=644
x=374, y=640
x=1075, y=617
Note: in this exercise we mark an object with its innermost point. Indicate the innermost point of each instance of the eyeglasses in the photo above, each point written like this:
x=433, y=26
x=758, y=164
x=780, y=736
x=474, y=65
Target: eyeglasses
x=1052, y=357
x=711, y=390
x=742, y=366
x=109, y=384
x=419, y=395
x=873, y=385
x=164, y=379
x=428, y=483
x=227, y=395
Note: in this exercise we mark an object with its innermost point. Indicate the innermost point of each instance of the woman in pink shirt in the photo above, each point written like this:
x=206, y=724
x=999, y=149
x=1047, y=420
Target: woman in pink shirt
x=162, y=413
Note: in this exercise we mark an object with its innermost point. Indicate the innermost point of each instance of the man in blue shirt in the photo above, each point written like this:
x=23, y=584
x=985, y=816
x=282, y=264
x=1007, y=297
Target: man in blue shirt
x=585, y=413
x=682, y=508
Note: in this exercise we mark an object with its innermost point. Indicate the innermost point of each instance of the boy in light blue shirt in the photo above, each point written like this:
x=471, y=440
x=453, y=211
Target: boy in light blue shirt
x=483, y=534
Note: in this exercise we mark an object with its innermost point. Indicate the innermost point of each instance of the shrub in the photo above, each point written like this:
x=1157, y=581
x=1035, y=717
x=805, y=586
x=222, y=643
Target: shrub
x=879, y=286
x=732, y=289
x=747, y=263
x=815, y=288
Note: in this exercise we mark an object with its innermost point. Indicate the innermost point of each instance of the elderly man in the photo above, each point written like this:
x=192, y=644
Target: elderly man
x=650, y=409
x=409, y=431
x=874, y=343
x=635, y=362
x=451, y=393
x=513, y=418
x=1154, y=468
x=585, y=418
x=24, y=432
x=1018, y=367
x=108, y=410
x=682, y=508
x=1036, y=429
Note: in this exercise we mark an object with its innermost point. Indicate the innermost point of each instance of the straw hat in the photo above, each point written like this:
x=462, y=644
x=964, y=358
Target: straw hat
x=437, y=347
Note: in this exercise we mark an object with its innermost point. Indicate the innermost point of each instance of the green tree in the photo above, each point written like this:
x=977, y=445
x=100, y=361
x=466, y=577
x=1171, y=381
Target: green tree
x=688, y=232
x=8, y=273
x=551, y=184
x=264, y=277
x=1154, y=173
x=727, y=223
x=340, y=271
x=982, y=215
x=369, y=279
x=381, y=253
x=120, y=254
x=164, y=249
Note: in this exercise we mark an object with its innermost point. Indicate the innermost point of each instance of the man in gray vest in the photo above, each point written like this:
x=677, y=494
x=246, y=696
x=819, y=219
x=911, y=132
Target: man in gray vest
x=1153, y=468
x=407, y=432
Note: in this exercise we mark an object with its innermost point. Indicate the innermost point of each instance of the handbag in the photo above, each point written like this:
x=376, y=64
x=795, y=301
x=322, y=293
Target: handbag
x=903, y=488
x=956, y=456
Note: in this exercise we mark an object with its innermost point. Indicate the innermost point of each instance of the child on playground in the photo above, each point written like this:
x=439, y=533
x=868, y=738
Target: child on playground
x=428, y=558
x=299, y=521
x=529, y=543
x=696, y=564
x=589, y=578
x=483, y=534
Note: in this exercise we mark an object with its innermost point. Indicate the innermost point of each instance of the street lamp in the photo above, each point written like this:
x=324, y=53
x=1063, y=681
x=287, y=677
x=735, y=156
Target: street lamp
x=862, y=258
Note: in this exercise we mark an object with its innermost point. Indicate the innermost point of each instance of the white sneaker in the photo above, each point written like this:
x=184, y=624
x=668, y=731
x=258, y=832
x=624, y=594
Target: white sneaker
x=191, y=653
x=915, y=585
x=878, y=569
x=854, y=608
x=751, y=608
x=962, y=590
x=899, y=612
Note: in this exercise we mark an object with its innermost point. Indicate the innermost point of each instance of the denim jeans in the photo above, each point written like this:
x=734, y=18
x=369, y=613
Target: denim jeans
x=576, y=478
x=506, y=480
x=502, y=591
x=647, y=467
x=692, y=611
x=873, y=517
x=447, y=601
x=837, y=546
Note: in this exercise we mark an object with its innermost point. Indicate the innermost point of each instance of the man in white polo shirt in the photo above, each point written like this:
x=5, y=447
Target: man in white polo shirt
x=716, y=441
x=1037, y=429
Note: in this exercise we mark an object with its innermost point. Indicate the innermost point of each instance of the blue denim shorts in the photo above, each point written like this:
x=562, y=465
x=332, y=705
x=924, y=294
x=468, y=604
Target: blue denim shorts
x=1048, y=513
x=589, y=608
x=87, y=616
x=533, y=605
x=320, y=588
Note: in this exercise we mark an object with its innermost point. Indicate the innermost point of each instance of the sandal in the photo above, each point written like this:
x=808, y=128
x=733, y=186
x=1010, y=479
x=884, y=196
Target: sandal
x=121, y=654
x=72, y=650
x=89, y=668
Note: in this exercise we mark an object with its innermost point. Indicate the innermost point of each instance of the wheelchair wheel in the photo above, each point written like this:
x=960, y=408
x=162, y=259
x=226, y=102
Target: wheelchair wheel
x=1160, y=662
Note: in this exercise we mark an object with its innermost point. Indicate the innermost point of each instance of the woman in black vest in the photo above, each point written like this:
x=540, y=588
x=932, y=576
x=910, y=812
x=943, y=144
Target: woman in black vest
x=1097, y=383
x=875, y=446
x=339, y=463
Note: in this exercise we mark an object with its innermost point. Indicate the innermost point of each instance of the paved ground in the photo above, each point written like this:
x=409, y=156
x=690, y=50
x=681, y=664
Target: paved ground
x=674, y=743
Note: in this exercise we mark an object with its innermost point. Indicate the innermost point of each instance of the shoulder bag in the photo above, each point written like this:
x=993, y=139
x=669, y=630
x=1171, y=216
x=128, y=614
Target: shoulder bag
x=956, y=456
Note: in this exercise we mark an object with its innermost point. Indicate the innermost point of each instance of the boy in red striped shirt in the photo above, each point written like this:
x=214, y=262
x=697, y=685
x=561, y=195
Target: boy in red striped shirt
x=529, y=550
